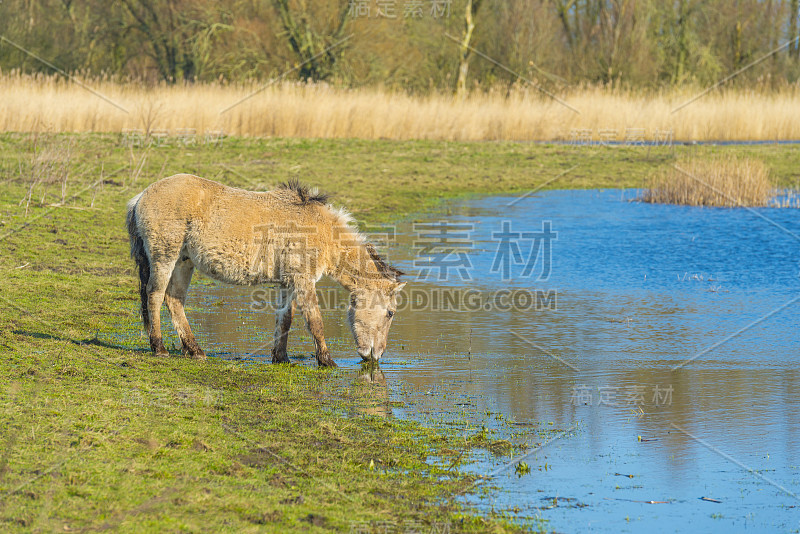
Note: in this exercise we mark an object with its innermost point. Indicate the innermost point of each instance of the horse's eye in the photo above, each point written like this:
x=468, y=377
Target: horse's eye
x=389, y=314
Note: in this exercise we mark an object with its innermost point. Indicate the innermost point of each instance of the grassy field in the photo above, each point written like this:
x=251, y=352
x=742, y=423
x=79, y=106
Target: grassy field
x=98, y=435
x=53, y=104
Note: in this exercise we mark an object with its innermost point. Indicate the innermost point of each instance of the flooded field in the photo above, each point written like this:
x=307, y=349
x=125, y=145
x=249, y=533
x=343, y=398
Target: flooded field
x=647, y=354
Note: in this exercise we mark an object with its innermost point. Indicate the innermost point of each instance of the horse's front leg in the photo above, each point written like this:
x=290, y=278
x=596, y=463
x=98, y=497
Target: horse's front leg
x=307, y=300
x=283, y=322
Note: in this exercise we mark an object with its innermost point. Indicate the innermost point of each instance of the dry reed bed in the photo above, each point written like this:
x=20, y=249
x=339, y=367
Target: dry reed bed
x=727, y=181
x=51, y=104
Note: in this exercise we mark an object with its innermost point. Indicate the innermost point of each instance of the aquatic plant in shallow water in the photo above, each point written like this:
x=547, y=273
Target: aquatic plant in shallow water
x=727, y=181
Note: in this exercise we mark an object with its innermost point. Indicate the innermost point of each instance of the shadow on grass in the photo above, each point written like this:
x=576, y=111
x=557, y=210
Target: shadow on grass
x=96, y=342
x=93, y=341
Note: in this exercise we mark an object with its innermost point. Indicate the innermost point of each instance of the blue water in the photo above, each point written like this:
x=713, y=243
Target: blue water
x=641, y=289
x=670, y=352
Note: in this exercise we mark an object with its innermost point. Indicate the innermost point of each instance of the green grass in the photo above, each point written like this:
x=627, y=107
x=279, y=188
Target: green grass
x=99, y=435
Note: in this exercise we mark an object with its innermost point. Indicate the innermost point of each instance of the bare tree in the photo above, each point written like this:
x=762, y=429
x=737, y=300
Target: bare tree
x=165, y=27
x=465, y=50
x=314, y=47
x=794, y=48
x=635, y=42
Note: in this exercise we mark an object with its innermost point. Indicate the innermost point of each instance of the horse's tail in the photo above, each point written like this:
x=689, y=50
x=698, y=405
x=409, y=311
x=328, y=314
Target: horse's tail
x=139, y=255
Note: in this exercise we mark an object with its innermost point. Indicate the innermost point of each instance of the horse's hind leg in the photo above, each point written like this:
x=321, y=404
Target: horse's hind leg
x=160, y=273
x=283, y=321
x=176, y=297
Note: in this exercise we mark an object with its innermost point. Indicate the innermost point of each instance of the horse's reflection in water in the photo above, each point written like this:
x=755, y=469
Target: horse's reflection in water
x=374, y=391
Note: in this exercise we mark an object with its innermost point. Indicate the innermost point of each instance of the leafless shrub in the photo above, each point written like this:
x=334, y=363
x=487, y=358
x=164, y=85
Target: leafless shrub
x=147, y=113
x=50, y=166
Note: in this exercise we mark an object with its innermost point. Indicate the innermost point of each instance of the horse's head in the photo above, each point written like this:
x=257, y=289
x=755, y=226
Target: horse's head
x=370, y=316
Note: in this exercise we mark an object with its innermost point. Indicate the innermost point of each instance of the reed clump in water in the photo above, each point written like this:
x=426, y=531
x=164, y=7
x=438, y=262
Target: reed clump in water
x=788, y=198
x=726, y=181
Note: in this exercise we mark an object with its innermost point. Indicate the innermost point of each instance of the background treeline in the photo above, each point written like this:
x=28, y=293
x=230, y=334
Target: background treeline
x=403, y=43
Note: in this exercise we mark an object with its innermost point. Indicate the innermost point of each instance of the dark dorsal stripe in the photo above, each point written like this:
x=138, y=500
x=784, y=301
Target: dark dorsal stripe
x=392, y=273
x=304, y=194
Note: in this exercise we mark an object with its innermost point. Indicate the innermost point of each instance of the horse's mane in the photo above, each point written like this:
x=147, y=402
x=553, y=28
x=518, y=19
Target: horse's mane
x=392, y=273
x=384, y=269
x=305, y=195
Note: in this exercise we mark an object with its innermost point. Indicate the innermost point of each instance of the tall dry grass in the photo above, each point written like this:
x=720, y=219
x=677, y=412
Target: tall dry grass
x=50, y=167
x=727, y=181
x=49, y=103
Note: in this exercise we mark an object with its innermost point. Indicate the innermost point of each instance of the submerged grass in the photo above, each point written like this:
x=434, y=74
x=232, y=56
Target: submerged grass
x=723, y=180
x=98, y=435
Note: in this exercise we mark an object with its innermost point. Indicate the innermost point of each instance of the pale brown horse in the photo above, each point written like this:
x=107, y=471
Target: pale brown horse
x=289, y=236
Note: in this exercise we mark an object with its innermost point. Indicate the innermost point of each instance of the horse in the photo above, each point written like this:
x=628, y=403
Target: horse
x=290, y=236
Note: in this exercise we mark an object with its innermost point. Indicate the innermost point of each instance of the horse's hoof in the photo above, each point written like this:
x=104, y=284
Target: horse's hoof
x=193, y=351
x=158, y=348
x=327, y=363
